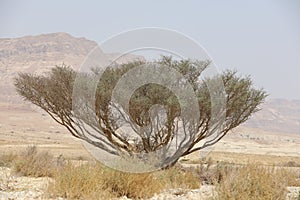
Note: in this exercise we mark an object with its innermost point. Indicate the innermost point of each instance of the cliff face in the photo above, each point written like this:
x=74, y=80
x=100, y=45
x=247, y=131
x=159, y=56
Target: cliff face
x=35, y=47
x=36, y=52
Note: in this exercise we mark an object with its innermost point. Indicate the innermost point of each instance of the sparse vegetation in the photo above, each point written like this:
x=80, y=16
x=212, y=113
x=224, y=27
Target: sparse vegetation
x=81, y=182
x=131, y=185
x=6, y=159
x=32, y=162
x=255, y=182
x=291, y=164
x=176, y=177
x=91, y=180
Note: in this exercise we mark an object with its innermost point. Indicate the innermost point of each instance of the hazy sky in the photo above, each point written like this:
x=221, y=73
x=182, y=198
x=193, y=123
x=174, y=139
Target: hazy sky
x=260, y=38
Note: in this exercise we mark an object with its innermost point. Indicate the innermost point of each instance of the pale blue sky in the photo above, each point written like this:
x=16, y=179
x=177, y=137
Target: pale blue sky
x=260, y=38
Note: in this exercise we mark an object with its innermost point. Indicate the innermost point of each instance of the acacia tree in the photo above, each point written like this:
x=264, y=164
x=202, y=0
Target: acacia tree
x=99, y=123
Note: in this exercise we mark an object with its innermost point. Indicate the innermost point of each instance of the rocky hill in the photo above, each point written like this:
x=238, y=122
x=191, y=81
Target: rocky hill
x=37, y=54
x=277, y=115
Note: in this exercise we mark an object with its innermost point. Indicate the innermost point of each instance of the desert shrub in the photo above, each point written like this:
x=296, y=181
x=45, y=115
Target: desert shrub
x=254, y=182
x=93, y=181
x=73, y=180
x=78, y=182
x=291, y=164
x=134, y=186
x=89, y=181
x=6, y=159
x=178, y=178
x=291, y=177
x=31, y=162
x=209, y=172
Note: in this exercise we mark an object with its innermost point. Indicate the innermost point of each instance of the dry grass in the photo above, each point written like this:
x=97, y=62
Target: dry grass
x=251, y=181
x=7, y=159
x=257, y=182
x=291, y=164
x=95, y=181
x=87, y=180
x=32, y=162
x=131, y=185
x=81, y=182
x=73, y=180
x=178, y=178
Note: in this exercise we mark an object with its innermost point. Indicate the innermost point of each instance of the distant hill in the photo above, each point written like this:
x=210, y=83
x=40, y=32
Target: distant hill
x=40, y=53
x=277, y=115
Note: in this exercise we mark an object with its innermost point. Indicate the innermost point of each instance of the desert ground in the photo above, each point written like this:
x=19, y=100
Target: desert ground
x=22, y=125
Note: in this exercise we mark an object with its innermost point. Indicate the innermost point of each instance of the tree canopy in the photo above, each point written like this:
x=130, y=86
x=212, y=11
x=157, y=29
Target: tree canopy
x=98, y=123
